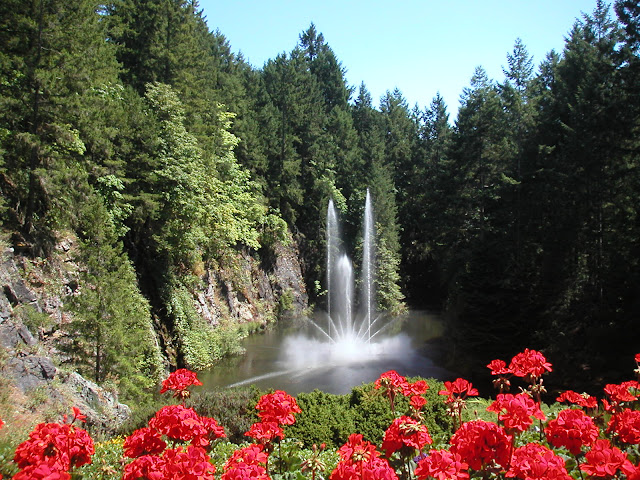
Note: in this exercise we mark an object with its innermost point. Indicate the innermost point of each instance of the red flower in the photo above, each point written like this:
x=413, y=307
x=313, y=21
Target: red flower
x=516, y=411
x=417, y=402
x=376, y=469
x=278, y=407
x=536, y=462
x=405, y=431
x=637, y=358
x=242, y=471
x=479, y=443
x=42, y=471
x=190, y=464
x=498, y=367
x=529, y=363
x=572, y=429
x=361, y=460
x=144, y=441
x=179, y=381
x=442, y=465
x=265, y=431
x=415, y=388
x=149, y=467
x=179, y=423
x=250, y=455
x=626, y=425
x=176, y=464
x=357, y=450
x=459, y=388
x=583, y=400
x=604, y=461
x=55, y=444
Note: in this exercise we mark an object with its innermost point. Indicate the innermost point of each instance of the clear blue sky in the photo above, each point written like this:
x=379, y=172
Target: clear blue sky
x=420, y=46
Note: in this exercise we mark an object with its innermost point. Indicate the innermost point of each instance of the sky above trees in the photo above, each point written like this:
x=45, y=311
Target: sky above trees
x=421, y=47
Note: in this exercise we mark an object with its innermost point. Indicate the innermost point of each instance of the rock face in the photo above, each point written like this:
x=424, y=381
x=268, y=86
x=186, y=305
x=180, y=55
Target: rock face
x=28, y=367
x=250, y=290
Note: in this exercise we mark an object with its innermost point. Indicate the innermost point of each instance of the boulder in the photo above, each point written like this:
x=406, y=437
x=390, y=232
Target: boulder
x=30, y=371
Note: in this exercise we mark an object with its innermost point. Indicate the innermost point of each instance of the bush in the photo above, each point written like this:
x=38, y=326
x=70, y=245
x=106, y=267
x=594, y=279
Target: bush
x=233, y=408
x=325, y=418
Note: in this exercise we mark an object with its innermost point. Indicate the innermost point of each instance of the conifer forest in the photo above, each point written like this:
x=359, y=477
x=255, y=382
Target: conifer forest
x=135, y=127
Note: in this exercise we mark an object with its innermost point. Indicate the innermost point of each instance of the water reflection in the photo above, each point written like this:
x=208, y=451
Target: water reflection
x=293, y=358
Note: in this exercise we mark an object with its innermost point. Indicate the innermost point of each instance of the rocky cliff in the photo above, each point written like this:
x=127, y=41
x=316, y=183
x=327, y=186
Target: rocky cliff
x=36, y=384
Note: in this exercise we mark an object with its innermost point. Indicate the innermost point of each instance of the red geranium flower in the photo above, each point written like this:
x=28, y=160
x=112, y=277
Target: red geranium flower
x=278, y=407
x=458, y=389
x=191, y=463
x=604, y=461
x=42, y=471
x=179, y=423
x=416, y=388
x=405, y=431
x=536, y=462
x=265, y=431
x=479, y=443
x=572, y=429
x=417, y=402
x=529, y=363
x=144, y=441
x=250, y=455
x=626, y=425
x=516, y=411
x=55, y=444
x=357, y=450
x=360, y=460
x=442, y=465
x=583, y=400
x=498, y=367
x=179, y=381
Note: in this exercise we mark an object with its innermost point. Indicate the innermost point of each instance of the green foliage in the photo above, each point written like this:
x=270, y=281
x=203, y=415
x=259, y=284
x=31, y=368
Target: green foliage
x=201, y=344
x=106, y=462
x=332, y=418
x=112, y=335
x=325, y=418
x=234, y=409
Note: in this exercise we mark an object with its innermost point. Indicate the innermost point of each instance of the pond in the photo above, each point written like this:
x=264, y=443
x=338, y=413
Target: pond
x=294, y=357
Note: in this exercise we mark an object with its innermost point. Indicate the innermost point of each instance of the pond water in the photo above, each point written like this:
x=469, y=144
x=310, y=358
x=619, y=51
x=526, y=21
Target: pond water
x=294, y=357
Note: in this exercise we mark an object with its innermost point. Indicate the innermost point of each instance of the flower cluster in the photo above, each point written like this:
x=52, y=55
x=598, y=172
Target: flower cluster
x=248, y=462
x=442, y=465
x=275, y=410
x=603, y=442
x=178, y=424
x=457, y=393
x=54, y=449
x=179, y=382
x=515, y=411
x=529, y=365
x=572, y=429
x=537, y=462
x=405, y=432
x=391, y=384
x=359, y=459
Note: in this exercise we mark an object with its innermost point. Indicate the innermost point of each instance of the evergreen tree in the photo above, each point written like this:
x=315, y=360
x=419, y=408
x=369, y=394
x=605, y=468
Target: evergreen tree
x=53, y=54
x=112, y=336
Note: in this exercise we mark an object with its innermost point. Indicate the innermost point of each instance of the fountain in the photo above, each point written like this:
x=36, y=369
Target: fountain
x=346, y=326
x=351, y=342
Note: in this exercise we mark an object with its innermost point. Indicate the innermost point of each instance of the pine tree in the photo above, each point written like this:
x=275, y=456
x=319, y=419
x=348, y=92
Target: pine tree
x=54, y=53
x=112, y=335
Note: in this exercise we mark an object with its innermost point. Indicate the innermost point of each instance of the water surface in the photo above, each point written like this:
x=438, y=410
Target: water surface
x=293, y=357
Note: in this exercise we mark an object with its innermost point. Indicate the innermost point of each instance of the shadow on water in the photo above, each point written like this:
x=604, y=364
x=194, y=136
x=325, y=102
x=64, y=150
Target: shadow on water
x=293, y=357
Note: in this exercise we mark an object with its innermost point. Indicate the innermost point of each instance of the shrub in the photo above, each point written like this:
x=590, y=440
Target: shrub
x=233, y=408
x=325, y=418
